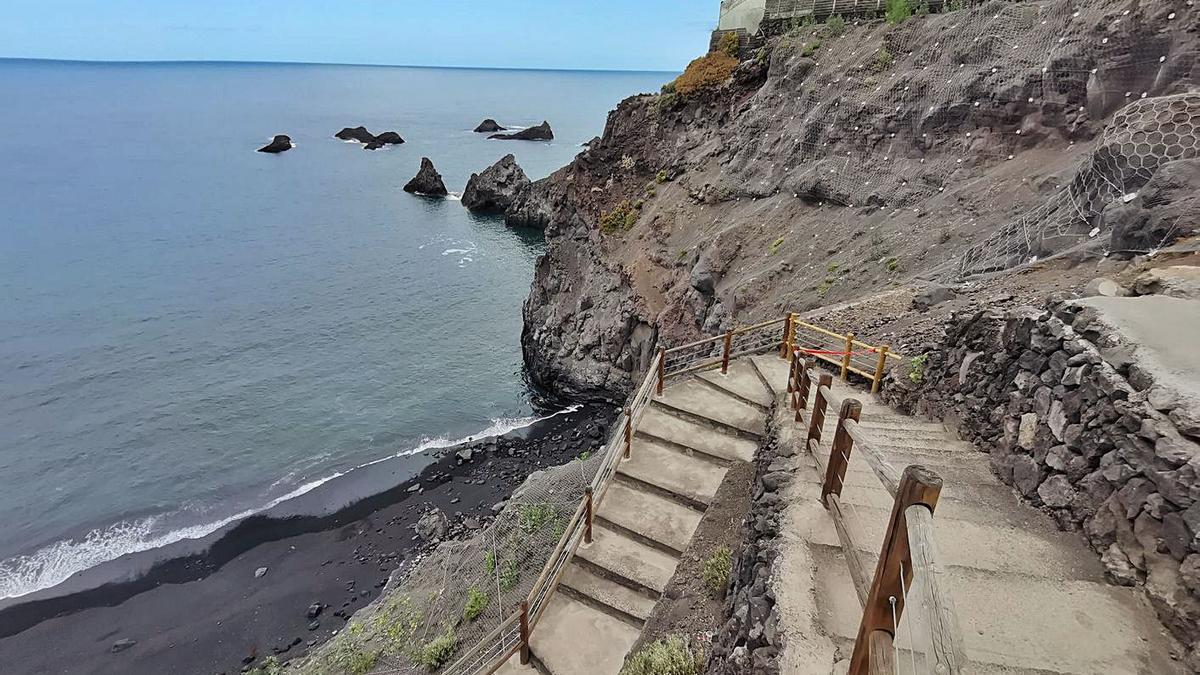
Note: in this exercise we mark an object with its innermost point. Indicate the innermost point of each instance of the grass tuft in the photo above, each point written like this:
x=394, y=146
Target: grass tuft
x=477, y=601
x=671, y=656
x=716, y=570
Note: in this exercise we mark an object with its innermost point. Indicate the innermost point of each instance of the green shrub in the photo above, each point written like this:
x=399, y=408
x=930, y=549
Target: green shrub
x=775, y=246
x=730, y=44
x=916, y=368
x=708, y=71
x=898, y=11
x=489, y=562
x=664, y=657
x=893, y=264
x=835, y=26
x=715, y=571
x=269, y=666
x=509, y=576
x=668, y=88
x=533, y=516
x=810, y=48
x=621, y=219
x=663, y=103
x=585, y=455
x=661, y=177
x=435, y=653
x=477, y=601
x=883, y=60
x=833, y=267
x=923, y=8
x=953, y=6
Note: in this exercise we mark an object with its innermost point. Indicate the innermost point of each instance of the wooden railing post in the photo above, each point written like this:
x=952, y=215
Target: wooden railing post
x=587, y=513
x=788, y=326
x=662, y=369
x=893, y=573
x=725, y=354
x=524, y=632
x=846, y=357
x=805, y=382
x=793, y=373
x=628, y=433
x=839, y=455
x=817, y=421
x=879, y=367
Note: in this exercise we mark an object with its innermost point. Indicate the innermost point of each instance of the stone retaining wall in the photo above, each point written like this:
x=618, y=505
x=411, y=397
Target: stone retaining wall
x=1078, y=425
x=749, y=641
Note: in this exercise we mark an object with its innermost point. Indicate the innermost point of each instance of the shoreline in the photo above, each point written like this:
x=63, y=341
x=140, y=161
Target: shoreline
x=335, y=545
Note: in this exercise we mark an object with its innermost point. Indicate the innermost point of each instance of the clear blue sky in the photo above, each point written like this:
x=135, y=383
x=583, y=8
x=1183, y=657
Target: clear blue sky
x=603, y=34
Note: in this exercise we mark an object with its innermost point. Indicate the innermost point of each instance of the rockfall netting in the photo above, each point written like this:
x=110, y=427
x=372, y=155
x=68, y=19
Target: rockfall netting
x=893, y=121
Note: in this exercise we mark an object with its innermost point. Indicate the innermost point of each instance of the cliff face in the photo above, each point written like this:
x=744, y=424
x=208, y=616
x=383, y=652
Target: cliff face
x=835, y=165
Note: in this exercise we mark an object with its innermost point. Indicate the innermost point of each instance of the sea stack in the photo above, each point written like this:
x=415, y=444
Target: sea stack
x=359, y=134
x=427, y=182
x=489, y=126
x=494, y=190
x=281, y=143
x=541, y=132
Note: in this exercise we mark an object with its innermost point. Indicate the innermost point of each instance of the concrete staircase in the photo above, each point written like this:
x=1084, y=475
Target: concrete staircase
x=683, y=446
x=1030, y=598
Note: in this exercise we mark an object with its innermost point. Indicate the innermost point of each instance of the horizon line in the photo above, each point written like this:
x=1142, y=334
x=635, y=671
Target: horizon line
x=321, y=63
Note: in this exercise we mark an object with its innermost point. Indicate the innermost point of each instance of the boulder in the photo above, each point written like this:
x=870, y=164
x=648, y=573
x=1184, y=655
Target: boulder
x=932, y=295
x=1179, y=281
x=121, y=645
x=494, y=190
x=359, y=134
x=427, y=182
x=433, y=525
x=541, y=132
x=1104, y=287
x=1162, y=211
x=389, y=138
x=489, y=126
x=281, y=143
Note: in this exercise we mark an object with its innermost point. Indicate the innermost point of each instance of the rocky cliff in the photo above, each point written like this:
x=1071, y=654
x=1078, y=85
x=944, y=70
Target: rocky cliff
x=842, y=161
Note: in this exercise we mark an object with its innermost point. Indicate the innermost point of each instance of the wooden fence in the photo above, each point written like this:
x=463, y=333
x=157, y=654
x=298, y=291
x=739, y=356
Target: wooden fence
x=908, y=550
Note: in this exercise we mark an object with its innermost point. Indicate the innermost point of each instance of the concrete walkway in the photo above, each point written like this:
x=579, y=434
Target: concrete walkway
x=1030, y=598
x=681, y=451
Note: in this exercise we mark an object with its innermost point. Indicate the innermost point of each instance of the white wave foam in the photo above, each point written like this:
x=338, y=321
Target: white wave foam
x=54, y=564
x=454, y=197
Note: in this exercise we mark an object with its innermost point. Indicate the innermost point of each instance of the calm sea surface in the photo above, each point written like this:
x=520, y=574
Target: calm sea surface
x=190, y=330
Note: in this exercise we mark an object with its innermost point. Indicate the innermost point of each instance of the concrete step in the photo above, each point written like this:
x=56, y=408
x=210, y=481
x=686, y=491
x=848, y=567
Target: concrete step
x=656, y=518
x=609, y=593
x=513, y=667
x=688, y=475
x=774, y=370
x=961, y=543
x=1022, y=622
x=628, y=559
x=743, y=381
x=559, y=640
x=970, y=472
x=696, y=398
x=661, y=424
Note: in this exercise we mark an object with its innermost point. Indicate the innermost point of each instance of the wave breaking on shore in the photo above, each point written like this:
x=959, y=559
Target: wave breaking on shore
x=53, y=564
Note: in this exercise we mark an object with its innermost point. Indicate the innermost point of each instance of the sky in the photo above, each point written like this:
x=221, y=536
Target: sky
x=567, y=34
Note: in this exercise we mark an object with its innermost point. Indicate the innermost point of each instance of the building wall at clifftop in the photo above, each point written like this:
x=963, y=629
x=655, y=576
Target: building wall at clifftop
x=1078, y=425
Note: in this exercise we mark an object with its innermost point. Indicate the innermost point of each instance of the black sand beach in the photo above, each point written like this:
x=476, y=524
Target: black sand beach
x=200, y=608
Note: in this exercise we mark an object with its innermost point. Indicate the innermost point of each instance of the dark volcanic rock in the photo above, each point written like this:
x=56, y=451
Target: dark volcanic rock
x=280, y=143
x=541, y=132
x=1160, y=213
x=496, y=188
x=427, y=181
x=121, y=645
x=359, y=134
x=389, y=138
x=488, y=126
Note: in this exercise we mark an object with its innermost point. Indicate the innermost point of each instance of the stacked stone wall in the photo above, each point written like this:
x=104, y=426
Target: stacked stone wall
x=1077, y=425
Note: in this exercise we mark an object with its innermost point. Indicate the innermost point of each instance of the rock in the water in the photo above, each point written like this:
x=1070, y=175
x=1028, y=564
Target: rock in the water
x=931, y=296
x=389, y=138
x=281, y=143
x=258, y=573
x=541, y=132
x=314, y=610
x=495, y=189
x=489, y=126
x=359, y=134
x=121, y=645
x=433, y=525
x=427, y=181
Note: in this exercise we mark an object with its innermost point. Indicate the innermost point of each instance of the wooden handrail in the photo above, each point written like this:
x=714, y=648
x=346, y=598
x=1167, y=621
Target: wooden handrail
x=893, y=573
x=839, y=455
x=887, y=474
x=946, y=648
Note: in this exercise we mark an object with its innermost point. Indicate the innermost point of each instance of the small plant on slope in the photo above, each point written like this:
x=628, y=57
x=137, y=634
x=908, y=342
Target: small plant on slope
x=716, y=570
x=730, y=45
x=477, y=601
x=435, y=653
x=622, y=218
x=509, y=576
x=664, y=657
x=835, y=26
x=709, y=71
x=898, y=11
x=883, y=60
x=775, y=246
x=489, y=562
x=916, y=368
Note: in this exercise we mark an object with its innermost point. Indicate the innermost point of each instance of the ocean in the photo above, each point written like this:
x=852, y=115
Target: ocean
x=191, y=331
